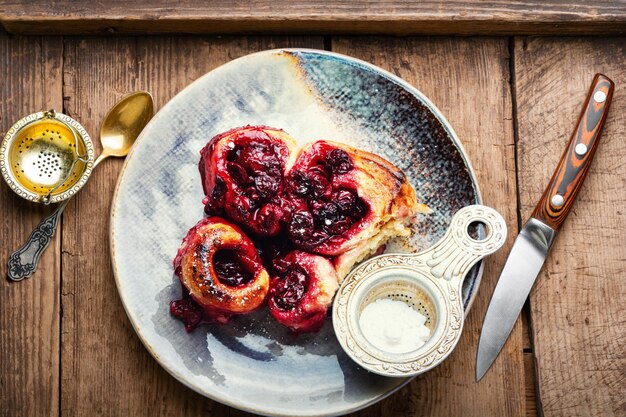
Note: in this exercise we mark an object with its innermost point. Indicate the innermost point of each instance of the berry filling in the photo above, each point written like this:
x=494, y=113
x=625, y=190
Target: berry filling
x=325, y=204
x=229, y=269
x=273, y=253
x=242, y=175
x=221, y=273
x=338, y=161
x=187, y=311
x=301, y=293
x=290, y=289
x=256, y=170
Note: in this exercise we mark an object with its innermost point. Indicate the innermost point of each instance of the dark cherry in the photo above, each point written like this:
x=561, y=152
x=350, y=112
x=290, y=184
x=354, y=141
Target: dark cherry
x=258, y=157
x=280, y=265
x=238, y=173
x=255, y=197
x=339, y=226
x=300, y=226
x=339, y=162
x=301, y=230
x=346, y=200
x=316, y=205
x=256, y=170
x=266, y=185
x=319, y=210
x=360, y=209
x=229, y=270
x=273, y=252
x=187, y=311
x=332, y=217
x=329, y=212
x=253, y=160
x=299, y=183
x=290, y=288
x=319, y=181
x=350, y=204
x=242, y=204
x=269, y=217
x=332, y=220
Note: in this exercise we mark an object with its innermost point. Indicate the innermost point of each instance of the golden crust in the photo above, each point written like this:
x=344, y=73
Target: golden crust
x=197, y=272
x=383, y=185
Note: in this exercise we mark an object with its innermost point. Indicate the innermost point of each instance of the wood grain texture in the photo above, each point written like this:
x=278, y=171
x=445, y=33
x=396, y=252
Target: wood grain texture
x=30, y=81
x=577, y=305
x=465, y=78
x=530, y=385
x=343, y=16
x=572, y=169
x=106, y=370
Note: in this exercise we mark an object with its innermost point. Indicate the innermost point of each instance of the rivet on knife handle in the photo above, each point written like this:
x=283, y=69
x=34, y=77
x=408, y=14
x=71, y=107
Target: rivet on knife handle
x=559, y=196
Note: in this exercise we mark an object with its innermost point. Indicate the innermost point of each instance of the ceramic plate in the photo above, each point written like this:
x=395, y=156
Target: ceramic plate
x=254, y=363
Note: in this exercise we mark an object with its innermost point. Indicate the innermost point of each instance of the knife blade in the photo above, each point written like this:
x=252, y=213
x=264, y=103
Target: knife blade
x=532, y=245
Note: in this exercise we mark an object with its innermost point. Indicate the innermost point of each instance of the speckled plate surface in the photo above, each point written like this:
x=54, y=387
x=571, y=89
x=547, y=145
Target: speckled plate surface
x=254, y=363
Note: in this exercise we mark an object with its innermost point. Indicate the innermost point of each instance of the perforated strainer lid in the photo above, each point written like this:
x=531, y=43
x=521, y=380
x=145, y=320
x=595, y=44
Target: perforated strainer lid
x=46, y=157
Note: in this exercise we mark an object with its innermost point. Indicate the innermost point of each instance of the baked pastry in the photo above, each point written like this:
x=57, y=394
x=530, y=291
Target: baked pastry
x=302, y=291
x=312, y=215
x=242, y=174
x=346, y=203
x=221, y=270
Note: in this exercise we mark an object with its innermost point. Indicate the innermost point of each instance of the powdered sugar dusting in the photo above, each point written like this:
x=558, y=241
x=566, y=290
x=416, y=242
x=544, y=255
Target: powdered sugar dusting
x=393, y=326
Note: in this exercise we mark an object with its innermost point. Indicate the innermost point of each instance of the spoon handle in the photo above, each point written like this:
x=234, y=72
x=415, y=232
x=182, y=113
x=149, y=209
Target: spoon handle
x=23, y=262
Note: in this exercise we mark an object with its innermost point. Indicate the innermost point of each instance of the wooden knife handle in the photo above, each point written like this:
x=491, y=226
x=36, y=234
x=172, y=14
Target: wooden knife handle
x=558, y=198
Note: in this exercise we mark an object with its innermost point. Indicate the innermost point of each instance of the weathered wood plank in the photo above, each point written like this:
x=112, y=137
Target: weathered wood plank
x=468, y=79
x=530, y=385
x=344, y=16
x=577, y=304
x=105, y=368
x=30, y=81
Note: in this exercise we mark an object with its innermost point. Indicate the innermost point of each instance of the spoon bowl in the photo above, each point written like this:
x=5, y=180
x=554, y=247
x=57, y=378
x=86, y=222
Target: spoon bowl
x=124, y=122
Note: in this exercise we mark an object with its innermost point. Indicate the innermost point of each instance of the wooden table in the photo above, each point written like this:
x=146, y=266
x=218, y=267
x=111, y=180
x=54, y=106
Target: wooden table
x=66, y=345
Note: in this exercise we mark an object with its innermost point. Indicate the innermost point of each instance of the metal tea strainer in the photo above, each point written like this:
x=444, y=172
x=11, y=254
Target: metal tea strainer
x=46, y=157
x=429, y=282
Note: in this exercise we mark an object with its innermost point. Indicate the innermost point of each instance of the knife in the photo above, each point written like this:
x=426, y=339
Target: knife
x=534, y=241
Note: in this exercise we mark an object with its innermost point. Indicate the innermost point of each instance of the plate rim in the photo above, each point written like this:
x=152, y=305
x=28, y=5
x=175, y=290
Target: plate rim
x=366, y=66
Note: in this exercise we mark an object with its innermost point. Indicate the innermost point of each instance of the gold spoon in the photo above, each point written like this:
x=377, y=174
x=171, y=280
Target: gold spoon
x=120, y=128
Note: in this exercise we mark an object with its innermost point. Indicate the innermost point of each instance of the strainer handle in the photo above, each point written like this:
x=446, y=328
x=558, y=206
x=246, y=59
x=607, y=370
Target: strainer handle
x=457, y=252
x=23, y=262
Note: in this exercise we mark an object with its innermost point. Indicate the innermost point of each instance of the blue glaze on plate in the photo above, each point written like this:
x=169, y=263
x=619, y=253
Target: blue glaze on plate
x=254, y=363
